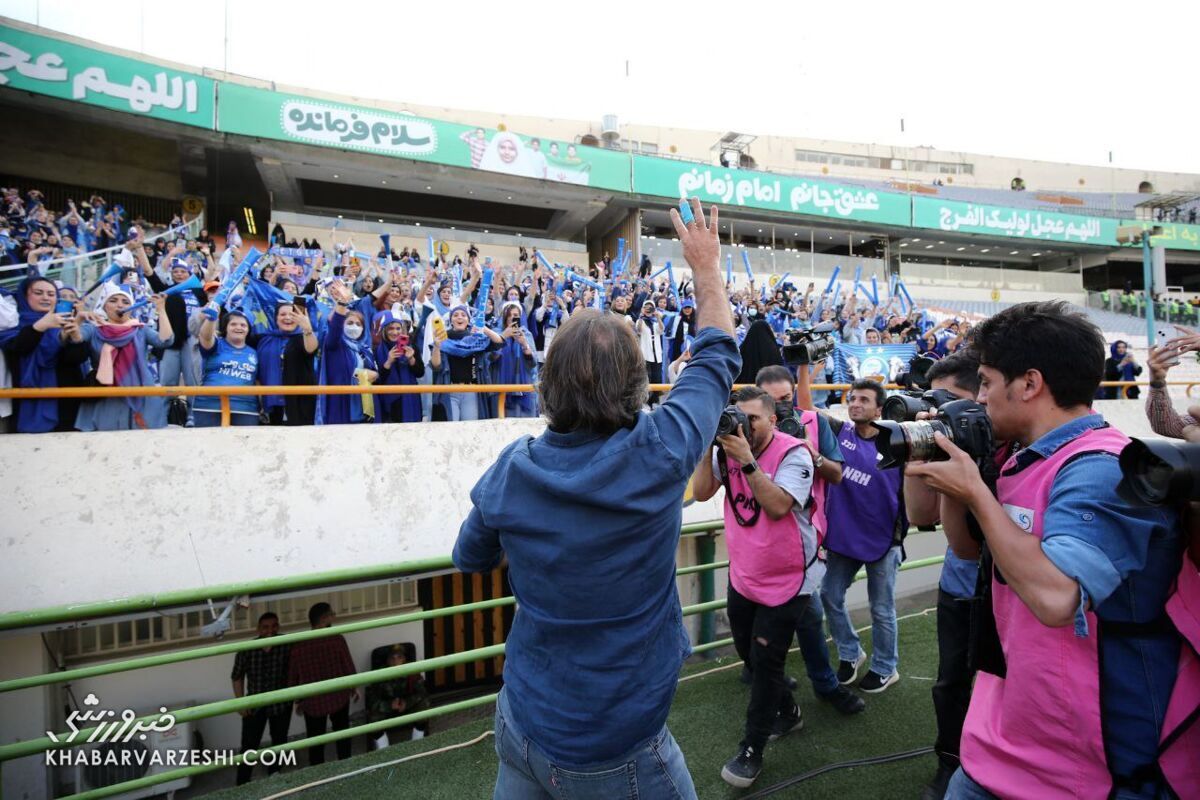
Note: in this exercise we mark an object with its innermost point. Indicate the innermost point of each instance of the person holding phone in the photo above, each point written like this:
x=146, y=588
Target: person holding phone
x=515, y=363
x=346, y=360
x=45, y=350
x=1164, y=419
x=287, y=357
x=1121, y=366
x=398, y=366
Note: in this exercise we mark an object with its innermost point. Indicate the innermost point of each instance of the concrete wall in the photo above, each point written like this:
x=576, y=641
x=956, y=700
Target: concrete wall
x=40, y=146
x=117, y=514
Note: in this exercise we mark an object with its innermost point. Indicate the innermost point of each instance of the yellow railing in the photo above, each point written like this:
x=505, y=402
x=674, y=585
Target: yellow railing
x=504, y=389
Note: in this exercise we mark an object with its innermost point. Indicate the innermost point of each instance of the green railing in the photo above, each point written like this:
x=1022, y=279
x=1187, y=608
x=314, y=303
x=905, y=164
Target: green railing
x=234, y=705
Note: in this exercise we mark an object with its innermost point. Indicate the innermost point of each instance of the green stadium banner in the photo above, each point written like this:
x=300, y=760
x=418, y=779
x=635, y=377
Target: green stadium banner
x=1175, y=235
x=39, y=64
x=1023, y=223
x=294, y=118
x=737, y=187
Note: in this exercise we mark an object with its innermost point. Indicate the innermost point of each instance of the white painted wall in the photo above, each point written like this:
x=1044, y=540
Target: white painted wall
x=118, y=514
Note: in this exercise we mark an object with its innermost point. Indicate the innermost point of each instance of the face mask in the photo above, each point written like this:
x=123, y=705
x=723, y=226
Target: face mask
x=752, y=312
x=353, y=330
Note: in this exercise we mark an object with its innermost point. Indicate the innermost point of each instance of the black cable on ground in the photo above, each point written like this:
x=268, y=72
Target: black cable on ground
x=862, y=762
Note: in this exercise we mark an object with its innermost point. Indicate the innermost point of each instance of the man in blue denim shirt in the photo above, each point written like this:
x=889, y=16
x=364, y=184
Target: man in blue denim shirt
x=588, y=515
x=1040, y=367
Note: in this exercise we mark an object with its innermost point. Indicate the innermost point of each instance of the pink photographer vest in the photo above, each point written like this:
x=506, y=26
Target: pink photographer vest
x=1037, y=732
x=812, y=439
x=766, y=559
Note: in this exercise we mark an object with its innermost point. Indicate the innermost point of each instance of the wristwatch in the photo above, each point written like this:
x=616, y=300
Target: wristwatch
x=818, y=460
x=750, y=469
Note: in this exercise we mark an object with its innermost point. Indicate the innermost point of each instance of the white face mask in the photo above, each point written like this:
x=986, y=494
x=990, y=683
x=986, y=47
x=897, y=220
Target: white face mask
x=354, y=330
x=752, y=312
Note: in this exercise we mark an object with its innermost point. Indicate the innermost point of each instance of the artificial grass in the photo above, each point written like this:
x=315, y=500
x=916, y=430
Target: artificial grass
x=707, y=720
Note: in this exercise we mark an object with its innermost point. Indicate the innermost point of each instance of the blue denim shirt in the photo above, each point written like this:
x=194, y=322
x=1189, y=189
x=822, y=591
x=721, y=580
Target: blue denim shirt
x=590, y=525
x=1125, y=559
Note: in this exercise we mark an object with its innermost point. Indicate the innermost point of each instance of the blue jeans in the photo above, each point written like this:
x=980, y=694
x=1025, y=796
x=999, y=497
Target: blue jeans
x=881, y=592
x=212, y=419
x=462, y=406
x=810, y=635
x=654, y=770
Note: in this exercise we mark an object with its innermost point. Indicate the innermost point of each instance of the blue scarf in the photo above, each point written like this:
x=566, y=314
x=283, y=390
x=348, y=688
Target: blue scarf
x=469, y=345
x=36, y=370
x=340, y=357
x=271, y=346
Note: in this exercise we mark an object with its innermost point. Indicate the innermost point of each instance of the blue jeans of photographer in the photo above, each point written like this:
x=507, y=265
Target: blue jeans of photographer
x=656, y=769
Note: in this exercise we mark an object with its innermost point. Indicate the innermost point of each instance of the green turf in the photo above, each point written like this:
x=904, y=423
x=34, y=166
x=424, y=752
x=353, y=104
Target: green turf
x=707, y=720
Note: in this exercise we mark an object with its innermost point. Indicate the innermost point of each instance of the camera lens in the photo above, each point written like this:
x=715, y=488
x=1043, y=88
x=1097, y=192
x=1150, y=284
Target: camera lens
x=901, y=442
x=726, y=424
x=903, y=408
x=1159, y=472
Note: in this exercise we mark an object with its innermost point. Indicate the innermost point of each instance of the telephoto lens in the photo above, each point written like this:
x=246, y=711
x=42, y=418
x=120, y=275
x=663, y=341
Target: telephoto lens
x=1160, y=472
x=963, y=422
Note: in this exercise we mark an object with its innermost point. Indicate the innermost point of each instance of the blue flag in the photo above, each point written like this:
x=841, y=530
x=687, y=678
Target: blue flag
x=855, y=361
x=260, y=302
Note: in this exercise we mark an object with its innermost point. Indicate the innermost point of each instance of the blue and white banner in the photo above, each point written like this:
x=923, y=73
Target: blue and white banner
x=855, y=361
x=295, y=252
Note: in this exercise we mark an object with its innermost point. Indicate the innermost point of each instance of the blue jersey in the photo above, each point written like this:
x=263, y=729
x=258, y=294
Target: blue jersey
x=226, y=365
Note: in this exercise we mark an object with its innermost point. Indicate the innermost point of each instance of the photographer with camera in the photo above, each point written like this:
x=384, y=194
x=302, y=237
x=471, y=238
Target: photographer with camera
x=767, y=477
x=1075, y=705
x=955, y=376
x=593, y=659
x=827, y=460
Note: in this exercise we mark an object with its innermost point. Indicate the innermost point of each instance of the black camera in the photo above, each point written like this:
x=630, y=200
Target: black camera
x=905, y=406
x=963, y=422
x=1160, y=472
x=808, y=346
x=730, y=420
x=786, y=419
x=915, y=378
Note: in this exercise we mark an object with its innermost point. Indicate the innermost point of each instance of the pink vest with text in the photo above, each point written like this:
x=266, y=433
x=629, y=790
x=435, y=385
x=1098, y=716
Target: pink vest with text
x=766, y=559
x=1037, y=731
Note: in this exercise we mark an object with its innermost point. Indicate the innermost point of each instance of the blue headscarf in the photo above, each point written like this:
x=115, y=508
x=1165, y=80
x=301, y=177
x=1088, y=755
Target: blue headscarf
x=36, y=370
x=340, y=357
x=271, y=345
x=1128, y=371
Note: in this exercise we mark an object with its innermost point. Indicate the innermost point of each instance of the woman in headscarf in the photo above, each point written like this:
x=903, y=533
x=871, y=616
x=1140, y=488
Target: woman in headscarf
x=45, y=351
x=928, y=346
x=458, y=361
x=119, y=349
x=346, y=360
x=1121, y=366
x=227, y=361
x=286, y=358
x=399, y=365
x=514, y=362
x=507, y=153
x=759, y=349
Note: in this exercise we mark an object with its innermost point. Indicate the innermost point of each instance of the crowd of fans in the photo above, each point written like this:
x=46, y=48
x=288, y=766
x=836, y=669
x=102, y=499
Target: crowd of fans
x=167, y=314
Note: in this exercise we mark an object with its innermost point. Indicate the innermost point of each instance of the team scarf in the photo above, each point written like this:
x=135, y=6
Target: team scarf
x=123, y=359
x=36, y=370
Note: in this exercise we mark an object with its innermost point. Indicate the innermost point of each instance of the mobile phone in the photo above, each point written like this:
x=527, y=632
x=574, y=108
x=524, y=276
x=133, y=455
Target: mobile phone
x=401, y=342
x=1161, y=337
x=64, y=307
x=299, y=302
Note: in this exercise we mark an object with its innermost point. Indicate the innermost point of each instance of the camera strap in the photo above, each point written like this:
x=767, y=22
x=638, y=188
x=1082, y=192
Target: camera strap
x=723, y=469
